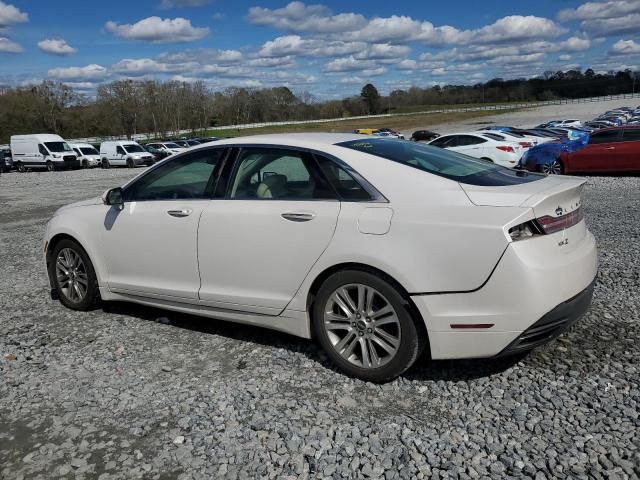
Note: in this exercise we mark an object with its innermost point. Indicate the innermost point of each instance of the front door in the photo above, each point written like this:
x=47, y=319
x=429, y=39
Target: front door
x=629, y=160
x=599, y=155
x=150, y=246
x=257, y=244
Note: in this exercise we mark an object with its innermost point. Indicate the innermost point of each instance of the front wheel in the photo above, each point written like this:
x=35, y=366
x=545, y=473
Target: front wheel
x=553, y=168
x=105, y=163
x=130, y=163
x=73, y=276
x=50, y=167
x=364, y=324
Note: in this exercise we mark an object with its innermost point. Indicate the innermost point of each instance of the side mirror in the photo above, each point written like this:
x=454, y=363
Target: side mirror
x=114, y=198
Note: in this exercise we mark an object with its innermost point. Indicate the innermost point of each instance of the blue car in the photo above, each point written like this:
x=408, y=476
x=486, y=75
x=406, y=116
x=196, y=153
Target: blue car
x=545, y=157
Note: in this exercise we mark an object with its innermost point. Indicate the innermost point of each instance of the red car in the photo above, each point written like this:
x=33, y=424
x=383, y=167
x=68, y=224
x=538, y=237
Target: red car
x=609, y=150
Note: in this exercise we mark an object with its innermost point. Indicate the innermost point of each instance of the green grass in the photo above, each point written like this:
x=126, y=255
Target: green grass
x=400, y=122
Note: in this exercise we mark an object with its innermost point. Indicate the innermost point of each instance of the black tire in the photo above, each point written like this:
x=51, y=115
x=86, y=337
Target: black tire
x=130, y=163
x=89, y=300
x=85, y=164
x=487, y=159
x=554, y=168
x=20, y=167
x=105, y=163
x=412, y=336
x=50, y=167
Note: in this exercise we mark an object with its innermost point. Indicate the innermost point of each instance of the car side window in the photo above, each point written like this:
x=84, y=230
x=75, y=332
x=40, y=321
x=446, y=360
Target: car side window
x=120, y=150
x=608, y=136
x=465, y=140
x=342, y=181
x=42, y=150
x=442, y=141
x=631, y=135
x=272, y=173
x=189, y=176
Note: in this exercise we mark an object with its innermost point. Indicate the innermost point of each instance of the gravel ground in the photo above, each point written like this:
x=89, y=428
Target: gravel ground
x=133, y=392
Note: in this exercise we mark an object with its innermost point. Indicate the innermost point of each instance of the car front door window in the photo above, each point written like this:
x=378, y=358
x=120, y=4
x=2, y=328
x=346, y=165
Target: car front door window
x=187, y=177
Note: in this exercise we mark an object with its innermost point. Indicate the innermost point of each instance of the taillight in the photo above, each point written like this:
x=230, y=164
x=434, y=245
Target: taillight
x=555, y=224
x=506, y=148
x=526, y=144
x=522, y=231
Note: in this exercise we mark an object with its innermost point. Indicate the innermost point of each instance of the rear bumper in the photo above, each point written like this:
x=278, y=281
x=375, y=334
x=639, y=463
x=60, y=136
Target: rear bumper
x=534, y=282
x=552, y=324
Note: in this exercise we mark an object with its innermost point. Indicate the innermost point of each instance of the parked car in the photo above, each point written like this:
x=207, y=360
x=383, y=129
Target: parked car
x=158, y=154
x=169, y=147
x=124, y=153
x=365, y=282
x=208, y=139
x=6, y=161
x=365, y=131
x=566, y=123
x=424, y=136
x=487, y=146
x=185, y=143
x=611, y=150
x=42, y=151
x=392, y=132
x=87, y=154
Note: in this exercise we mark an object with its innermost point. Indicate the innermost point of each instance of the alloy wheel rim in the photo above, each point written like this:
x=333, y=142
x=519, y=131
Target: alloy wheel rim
x=552, y=168
x=362, y=326
x=71, y=274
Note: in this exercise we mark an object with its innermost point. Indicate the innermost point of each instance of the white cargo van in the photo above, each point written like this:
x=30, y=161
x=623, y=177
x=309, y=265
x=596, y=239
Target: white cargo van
x=42, y=150
x=124, y=153
x=88, y=155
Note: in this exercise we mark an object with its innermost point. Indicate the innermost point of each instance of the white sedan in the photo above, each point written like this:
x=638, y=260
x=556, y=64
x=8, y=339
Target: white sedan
x=489, y=146
x=376, y=248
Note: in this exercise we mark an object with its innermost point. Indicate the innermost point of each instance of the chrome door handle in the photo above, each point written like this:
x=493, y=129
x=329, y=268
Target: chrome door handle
x=298, y=216
x=185, y=212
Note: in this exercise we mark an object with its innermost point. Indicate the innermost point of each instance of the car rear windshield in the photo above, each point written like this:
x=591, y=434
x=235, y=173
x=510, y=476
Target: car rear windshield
x=132, y=148
x=57, y=146
x=493, y=136
x=443, y=163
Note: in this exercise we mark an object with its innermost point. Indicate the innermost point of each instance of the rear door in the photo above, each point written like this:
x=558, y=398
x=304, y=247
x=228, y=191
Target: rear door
x=599, y=155
x=629, y=151
x=258, y=242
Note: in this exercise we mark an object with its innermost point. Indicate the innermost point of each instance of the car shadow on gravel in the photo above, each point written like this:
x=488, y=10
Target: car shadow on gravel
x=423, y=369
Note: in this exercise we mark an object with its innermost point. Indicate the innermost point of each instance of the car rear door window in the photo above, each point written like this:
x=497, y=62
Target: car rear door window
x=442, y=142
x=273, y=174
x=631, y=135
x=607, y=136
x=467, y=140
x=186, y=177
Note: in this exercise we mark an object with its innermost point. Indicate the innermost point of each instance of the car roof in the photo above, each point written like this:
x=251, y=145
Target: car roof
x=294, y=139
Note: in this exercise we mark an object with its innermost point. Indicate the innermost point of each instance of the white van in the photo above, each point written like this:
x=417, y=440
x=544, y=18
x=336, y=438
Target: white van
x=88, y=155
x=124, y=153
x=42, y=150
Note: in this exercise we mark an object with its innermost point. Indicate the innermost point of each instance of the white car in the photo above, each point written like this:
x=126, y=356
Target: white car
x=168, y=147
x=489, y=146
x=87, y=154
x=376, y=248
x=124, y=153
x=572, y=122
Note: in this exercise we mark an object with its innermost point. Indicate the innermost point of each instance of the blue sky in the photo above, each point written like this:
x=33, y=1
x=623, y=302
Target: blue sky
x=328, y=48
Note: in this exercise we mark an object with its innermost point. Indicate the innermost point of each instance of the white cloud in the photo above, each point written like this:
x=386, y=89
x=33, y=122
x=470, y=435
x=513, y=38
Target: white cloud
x=609, y=27
x=89, y=72
x=7, y=46
x=159, y=30
x=269, y=62
x=202, y=55
x=56, y=46
x=310, y=47
x=379, y=51
x=144, y=66
x=564, y=58
x=10, y=15
x=598, y=10
x=167, y=4
x=517, y=28
x=352, y=64
x=625, y=47
x=298, y=17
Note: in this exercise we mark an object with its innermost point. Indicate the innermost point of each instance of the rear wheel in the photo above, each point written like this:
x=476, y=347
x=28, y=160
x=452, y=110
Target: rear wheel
x=73, y=276
x=20, y=167
x=553, y=168
x=487, y=159
x=364, y=324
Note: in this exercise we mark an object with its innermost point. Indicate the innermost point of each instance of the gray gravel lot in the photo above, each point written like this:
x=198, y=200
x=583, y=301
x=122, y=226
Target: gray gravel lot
x=133, y=392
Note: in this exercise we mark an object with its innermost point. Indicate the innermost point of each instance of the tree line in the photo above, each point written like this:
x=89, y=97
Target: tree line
x=127, y=107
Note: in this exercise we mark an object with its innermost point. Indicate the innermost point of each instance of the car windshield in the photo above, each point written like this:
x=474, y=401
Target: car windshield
x=193, y=143
x=57, y=146
x=443, y=163
x=172, y=145
x=133, y=148
x=89, y=151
